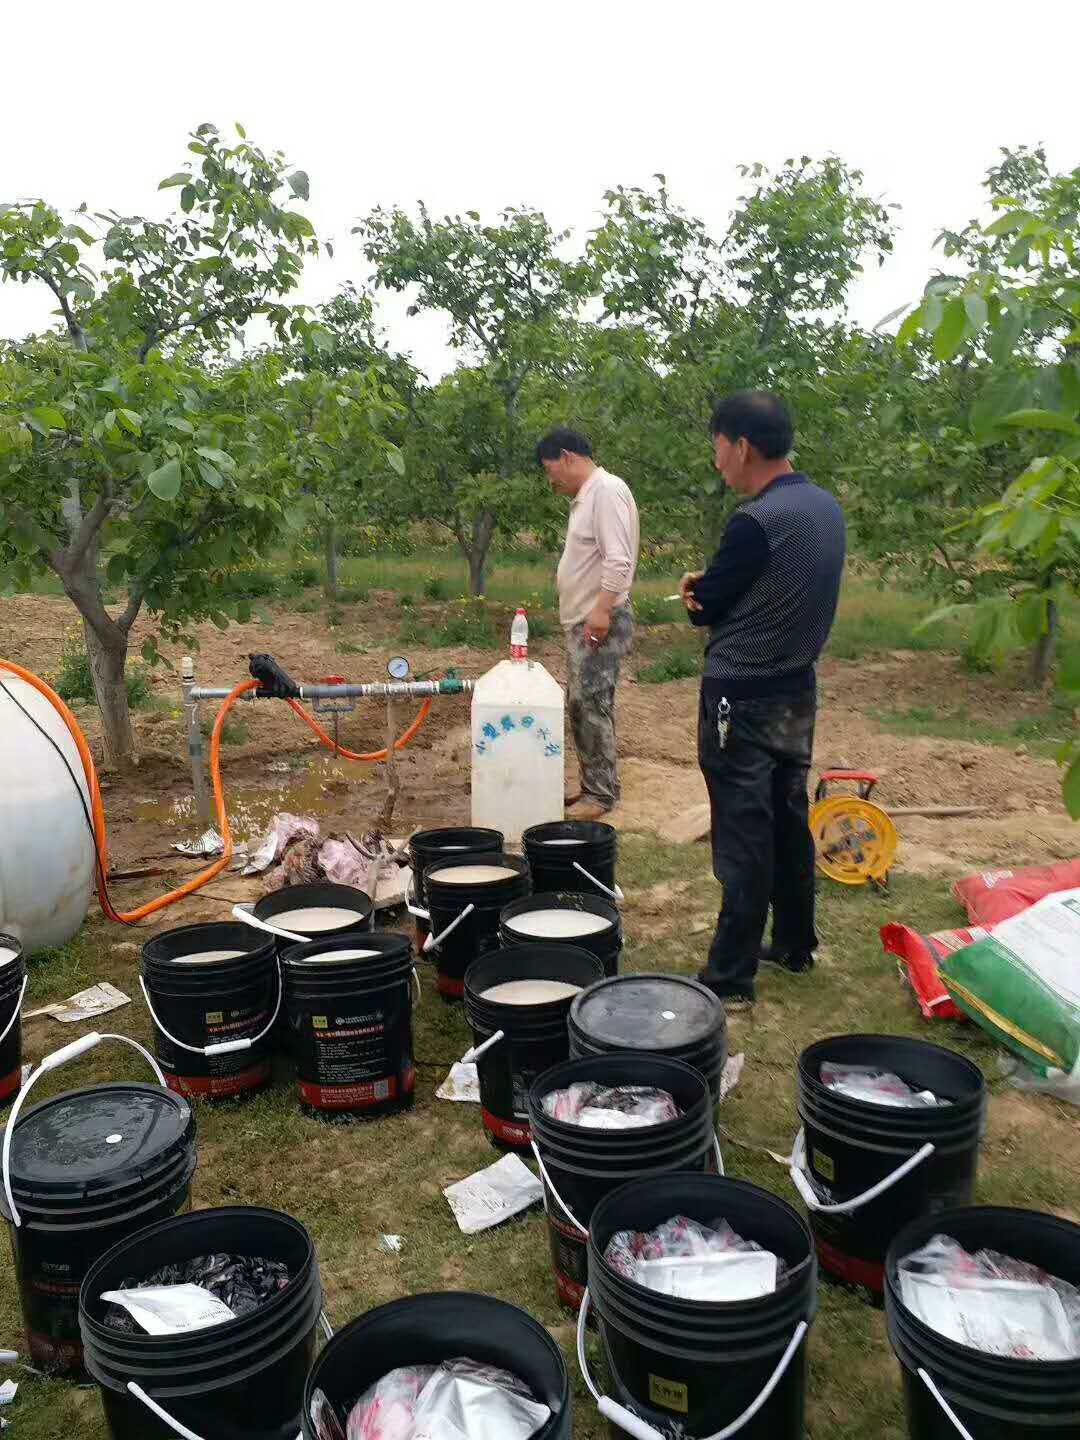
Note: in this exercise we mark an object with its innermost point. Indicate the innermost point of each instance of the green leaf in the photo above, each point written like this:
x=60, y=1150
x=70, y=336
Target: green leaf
x=187, y=199
x=396, y=461
x=1029, y=616
x=117, y=568
x=1068, y=675
x=180, y=178
x=164, y=482
x=216, y=457
x=1006, y=332
x=211, y=476
x=978, y=312
x=296, y=519
x=241, y=131
x=950, y=335
x=1015, y=220
x=298, y=184
x=179, y=423
x=1031, y=523
x=1070, y=789
x=911, y=327
x=49, y=416
x=1042, y=420
x=130, y=420
x=947, y=612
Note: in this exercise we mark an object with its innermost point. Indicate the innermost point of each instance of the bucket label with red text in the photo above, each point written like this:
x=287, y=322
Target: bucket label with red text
x=357, y=1053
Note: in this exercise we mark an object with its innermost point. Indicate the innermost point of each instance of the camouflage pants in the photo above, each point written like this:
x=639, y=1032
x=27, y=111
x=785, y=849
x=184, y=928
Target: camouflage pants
x=593, y=676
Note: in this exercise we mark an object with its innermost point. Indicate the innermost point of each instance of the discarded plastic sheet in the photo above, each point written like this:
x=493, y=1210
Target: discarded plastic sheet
x=243, y=1283
x=991, y=1302
x=86, y=1005
x=1054, y=1083
x=209, y=843
x=171, y=1309
x=731, y=1074
x=602, y=1107
x=462, y=1083
x=458, y=1400
x=391, y=1244
x=875, y=1087
x=283, y=828
x=493, y=1195
x=7, y=1392
x=325, y=1418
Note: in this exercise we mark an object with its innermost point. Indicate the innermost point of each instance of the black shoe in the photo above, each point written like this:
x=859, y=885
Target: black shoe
x=798, y=962
x=733, y=996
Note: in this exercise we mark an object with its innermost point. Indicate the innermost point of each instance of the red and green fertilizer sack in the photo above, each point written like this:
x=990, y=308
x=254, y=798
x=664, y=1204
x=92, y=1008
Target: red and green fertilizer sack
x=1022, y=983
x=989, y=898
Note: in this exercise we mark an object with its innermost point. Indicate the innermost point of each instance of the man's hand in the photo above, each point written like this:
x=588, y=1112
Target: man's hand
x=686, y=589
x=597, y=625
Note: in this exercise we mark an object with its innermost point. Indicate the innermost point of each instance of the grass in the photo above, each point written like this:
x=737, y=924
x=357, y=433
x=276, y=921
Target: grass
x=74, y=683
x=677, y=664
x=1043, y=733
x=350, y=1182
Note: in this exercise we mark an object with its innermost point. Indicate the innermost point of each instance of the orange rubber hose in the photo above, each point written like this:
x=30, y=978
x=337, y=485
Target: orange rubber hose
x=371, y=755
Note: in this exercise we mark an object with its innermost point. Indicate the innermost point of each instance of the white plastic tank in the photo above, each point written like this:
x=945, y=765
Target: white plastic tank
x=46, y=852
x=517, y=748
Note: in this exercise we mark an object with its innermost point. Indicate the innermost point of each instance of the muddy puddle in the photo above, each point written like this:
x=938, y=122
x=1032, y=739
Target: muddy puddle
x=299, y=788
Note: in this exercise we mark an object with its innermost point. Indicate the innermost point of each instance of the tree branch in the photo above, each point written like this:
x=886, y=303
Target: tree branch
x=75, y=330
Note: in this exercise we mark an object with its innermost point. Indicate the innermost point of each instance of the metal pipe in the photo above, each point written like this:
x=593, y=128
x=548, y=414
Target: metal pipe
x=196, y=754
x=397, y=691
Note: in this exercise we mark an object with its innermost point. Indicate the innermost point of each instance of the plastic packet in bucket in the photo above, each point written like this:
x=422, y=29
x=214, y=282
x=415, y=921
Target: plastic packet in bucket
x=171, y=1309
x=875, y=1087
x=991, y=1302
x=695, y=1262
x=458, y=1400
x=242, y=1283
x=600, y=1107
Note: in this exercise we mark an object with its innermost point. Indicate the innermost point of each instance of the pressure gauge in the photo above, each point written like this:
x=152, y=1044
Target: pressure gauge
x=398, y=668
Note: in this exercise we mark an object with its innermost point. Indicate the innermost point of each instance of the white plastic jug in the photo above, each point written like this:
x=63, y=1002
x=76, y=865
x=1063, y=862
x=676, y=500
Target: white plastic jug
x=517, y=748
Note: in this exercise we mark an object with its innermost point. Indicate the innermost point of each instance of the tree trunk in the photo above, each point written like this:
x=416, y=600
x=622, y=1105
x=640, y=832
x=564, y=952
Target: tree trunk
x=477, y=552
x=330, y=538
x=1042, y=657
x=108, y=665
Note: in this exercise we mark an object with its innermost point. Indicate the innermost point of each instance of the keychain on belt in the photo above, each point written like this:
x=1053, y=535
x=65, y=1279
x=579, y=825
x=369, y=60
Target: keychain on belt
x=723, y=721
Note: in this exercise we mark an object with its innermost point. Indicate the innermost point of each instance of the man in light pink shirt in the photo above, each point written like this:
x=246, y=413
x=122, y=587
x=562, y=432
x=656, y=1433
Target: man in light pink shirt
x=594, y=579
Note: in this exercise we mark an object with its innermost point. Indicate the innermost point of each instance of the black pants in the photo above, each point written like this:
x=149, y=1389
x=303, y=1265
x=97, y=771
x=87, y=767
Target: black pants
x=761, y=846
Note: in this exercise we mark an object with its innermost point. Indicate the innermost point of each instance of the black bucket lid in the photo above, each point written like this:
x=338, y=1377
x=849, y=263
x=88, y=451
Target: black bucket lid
x=648, y=1012
x=90, y=1143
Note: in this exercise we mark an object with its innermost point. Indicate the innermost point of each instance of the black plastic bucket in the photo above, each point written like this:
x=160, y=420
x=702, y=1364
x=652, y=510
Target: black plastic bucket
x=201, y=1003
x=357, y=903
x=349, y=1008
x=534, y=1036
x=428, y=1329
x=556, y=849
x=996, y=1398
x=584, y=1165
x=605, y=941
x=12, y=984
x=701, y=1364
x=242, y=1380
x=663, y=1014
x=479, y=931
x=428, y=846
x=852, y=1145
x=89, y=1168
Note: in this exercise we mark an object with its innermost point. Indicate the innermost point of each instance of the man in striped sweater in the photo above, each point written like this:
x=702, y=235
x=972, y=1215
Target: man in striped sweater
x=768, y=600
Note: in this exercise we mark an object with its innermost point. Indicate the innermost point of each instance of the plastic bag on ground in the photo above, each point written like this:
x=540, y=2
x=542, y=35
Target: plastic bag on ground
x=698, y=1262
x=991, y=1302
x=875, y=1087
x=170, y=1309
x=459, y=1398
x=492, y=1195
x=283, y=828
x=621, y=1107
x=1022, y=983
x=998, y=895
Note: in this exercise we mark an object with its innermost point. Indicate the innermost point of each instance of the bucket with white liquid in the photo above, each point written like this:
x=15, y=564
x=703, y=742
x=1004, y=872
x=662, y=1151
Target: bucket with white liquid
x=466, y=895
x=585, y=922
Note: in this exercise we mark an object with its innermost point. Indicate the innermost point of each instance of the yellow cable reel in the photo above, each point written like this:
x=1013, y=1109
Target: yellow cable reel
x=854, y=839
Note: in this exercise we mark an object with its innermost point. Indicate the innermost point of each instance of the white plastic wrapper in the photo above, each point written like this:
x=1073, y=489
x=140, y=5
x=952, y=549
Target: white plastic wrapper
x=169, y=1309
x=991, y=1302
x=694, y=1261
x=283, y=828
x=325, y=1418
x=601, y=1107
x=461, y=1084
x=86, y=1005
x=493, y=1195
x=8, y=1391
x=460, y=1400
x=876, y=1087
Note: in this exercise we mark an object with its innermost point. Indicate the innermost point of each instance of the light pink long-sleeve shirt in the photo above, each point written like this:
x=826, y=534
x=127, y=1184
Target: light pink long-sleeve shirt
x=603, y=537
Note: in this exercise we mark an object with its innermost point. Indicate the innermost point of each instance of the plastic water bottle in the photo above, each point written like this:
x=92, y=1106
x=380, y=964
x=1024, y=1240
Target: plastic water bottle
x=519, y=636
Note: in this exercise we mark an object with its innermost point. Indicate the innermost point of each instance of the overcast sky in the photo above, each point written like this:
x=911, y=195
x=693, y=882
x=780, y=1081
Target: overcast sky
x=477, y=105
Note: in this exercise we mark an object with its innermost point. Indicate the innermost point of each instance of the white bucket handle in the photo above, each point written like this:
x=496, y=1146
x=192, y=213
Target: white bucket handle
x=410, y=896
x=475, y=1051
x=562, y=1203
x=434, y=941
x=961, y=1428
x=247, y=917
x=633, y=1425
x=224, y=1047
x=170, y=1420
x=53, y=1062
x=419, y=988
x=9, y=1357
x=797, y=1171
x=17, y=1011
x=616, y=894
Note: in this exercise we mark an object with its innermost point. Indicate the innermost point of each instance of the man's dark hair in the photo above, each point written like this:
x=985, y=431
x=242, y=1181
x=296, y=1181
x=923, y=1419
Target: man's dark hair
x=758, y=416
x=560, y=439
